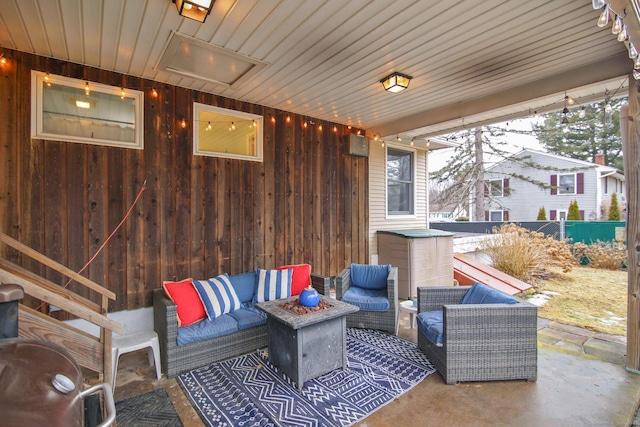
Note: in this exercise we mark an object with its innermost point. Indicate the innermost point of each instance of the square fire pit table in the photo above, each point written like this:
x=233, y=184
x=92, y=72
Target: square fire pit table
x=305, y=346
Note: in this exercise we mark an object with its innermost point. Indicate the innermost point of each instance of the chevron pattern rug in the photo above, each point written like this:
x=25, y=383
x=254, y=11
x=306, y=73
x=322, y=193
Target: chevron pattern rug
x=249, y=391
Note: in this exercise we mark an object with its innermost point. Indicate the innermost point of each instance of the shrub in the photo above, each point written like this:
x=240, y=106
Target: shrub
x=527, y=255
x=614, y=210
x=574, y=211
x=542, y=214
x=605, y=255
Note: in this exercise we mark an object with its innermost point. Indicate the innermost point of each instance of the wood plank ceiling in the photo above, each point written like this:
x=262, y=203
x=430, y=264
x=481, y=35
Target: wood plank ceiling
x=470, y=60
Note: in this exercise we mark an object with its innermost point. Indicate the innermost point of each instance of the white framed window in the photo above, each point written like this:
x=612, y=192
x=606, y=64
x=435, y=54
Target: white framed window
x=567, y=183
x=220, y=132
x=72, y=110
x=562, y=215
x=495, y=216
x=400, y=167
x=496, y=188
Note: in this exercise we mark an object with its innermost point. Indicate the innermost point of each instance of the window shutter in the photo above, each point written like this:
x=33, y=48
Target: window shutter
x=552, y=215
x=505, y=215
x=580, y=183
x=554, y=185
x=486, y=215
x=505, y=187
x=581, y=214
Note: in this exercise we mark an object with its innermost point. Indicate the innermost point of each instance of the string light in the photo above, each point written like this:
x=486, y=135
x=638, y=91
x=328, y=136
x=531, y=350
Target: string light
x=122, y=94
x=208, y=126
x=183, y=124
x=87, y=91
x=288, y=119
x=154, y=92
x=3, y=60
x=46, y=80
x=320, y=128
x=335, y=128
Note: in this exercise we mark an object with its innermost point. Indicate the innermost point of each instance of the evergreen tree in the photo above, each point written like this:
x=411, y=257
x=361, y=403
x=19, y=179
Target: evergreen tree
x=583, y=138
x=574, y=212
x=614, y=210
x=542, y=214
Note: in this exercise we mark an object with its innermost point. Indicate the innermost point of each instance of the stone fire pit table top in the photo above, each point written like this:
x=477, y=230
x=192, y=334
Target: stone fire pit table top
x=297, y=321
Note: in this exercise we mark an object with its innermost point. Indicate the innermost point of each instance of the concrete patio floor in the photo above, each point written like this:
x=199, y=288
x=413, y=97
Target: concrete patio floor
x=581, y=382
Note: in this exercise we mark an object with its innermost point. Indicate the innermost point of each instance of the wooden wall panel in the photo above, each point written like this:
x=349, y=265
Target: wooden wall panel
x=197, y=216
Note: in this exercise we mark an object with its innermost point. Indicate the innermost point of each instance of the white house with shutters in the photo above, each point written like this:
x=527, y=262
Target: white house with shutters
x=517, y=187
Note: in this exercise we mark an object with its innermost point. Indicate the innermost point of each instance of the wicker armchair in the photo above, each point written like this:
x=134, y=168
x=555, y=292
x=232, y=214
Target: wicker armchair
x=382, y=320
x=481, y=342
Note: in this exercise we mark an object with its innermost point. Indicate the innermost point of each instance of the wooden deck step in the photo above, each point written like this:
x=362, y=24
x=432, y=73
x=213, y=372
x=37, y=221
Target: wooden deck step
x=468, y=270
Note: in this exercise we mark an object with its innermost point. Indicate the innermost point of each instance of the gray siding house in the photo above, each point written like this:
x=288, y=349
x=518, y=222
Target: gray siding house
x=517, y=187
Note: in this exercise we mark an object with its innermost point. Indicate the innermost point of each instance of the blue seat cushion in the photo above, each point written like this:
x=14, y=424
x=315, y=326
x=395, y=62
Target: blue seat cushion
x=483, y=294
x=244, y=285
x=431, y=324
x=205, y=329
x=367, y=299
x=249, y=317
x=368, y=276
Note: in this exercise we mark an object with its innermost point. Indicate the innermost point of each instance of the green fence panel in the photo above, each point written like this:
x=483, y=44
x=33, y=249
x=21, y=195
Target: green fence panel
x=591, y=231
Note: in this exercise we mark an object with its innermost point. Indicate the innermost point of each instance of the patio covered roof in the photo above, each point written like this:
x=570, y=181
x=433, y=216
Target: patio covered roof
x=472, y=62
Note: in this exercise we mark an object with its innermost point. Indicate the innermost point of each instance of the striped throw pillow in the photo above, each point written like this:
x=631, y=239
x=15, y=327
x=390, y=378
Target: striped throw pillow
x=217, y=296
x=273, y=284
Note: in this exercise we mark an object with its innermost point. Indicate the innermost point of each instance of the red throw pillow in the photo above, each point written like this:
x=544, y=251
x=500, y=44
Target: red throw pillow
x=189, y=307
x=301, y=277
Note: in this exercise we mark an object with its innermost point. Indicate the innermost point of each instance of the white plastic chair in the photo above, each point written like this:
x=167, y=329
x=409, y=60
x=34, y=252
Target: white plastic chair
x=122, y=344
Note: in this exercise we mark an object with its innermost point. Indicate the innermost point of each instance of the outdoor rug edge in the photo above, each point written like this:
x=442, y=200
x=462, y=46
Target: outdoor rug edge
x=249, y=391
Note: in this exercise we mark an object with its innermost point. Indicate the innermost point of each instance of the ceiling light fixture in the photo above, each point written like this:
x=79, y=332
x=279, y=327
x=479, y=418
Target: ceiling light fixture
x=396, y=82
x=198, y=10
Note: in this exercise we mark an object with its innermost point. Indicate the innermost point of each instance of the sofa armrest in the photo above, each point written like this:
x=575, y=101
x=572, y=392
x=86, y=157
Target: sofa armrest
x=500, y=324
x=322, y=284
x=392, y=287
x=165, y=323
x=432, y=298
x=343, y=282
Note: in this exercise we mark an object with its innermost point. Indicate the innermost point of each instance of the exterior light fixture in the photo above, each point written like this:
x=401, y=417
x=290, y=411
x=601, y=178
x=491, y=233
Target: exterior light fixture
x=198, y=10
x=396, y=82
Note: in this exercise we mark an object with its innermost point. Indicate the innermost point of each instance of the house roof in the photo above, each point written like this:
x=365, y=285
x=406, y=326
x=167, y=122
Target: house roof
x=604, y=170
x=472, y=62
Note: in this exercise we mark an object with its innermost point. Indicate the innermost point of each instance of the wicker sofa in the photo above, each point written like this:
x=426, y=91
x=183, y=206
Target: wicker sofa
x=176, y=359
x=480, y=342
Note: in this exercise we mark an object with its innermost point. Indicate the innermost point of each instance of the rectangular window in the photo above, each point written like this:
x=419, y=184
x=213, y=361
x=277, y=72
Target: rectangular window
x=219, y=132
x=567, y=184
x=400, y=182
x=495, y=216
x=495, y=188
x=72, y=110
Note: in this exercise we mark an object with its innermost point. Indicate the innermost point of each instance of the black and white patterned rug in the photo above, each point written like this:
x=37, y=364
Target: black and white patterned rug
x=249, y=391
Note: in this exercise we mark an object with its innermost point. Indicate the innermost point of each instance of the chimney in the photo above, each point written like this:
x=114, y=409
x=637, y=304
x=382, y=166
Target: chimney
x=600, y=159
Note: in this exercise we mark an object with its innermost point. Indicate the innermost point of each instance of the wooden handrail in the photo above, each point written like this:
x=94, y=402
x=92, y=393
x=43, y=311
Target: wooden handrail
x=56, y=266
x=91, y=352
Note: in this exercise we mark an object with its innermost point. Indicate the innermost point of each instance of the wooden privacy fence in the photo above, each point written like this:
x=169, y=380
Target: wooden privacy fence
x=90, y=352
